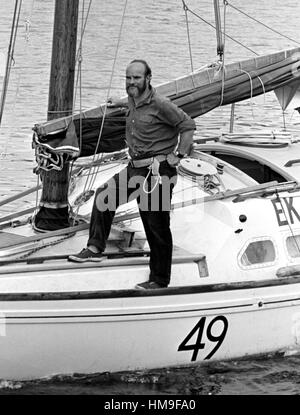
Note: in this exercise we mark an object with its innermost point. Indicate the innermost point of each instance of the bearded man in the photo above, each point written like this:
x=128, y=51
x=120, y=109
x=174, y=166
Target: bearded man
x=158, y=135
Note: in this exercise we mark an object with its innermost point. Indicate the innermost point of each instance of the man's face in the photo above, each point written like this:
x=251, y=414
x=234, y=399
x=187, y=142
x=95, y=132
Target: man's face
x=136, y=82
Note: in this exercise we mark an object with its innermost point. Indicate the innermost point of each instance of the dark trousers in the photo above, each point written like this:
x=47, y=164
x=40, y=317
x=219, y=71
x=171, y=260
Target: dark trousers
x=154, y=208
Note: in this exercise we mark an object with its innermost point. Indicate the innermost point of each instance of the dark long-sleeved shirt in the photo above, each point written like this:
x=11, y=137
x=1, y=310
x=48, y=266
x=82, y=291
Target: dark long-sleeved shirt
x=153, y=125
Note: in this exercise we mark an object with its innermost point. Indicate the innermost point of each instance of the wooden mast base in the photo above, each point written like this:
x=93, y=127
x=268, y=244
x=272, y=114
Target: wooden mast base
x=53, y=212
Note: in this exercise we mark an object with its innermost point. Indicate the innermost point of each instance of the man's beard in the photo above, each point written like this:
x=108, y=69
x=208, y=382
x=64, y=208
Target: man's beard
x=136, y=91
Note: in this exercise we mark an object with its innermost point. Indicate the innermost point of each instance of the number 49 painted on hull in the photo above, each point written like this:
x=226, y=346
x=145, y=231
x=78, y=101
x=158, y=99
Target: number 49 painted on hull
x=199, y=345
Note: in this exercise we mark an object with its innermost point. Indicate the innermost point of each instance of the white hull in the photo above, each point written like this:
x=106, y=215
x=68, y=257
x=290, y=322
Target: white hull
x=129, y=330
x=235, y=284
x=59, y=317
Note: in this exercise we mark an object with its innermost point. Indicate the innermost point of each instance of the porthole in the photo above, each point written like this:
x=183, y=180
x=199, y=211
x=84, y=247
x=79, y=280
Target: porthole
x=293, y=246
x=258, y=253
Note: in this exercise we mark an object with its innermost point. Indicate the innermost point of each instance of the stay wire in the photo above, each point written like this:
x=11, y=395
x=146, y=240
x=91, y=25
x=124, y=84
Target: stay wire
x=84, y=19
x=10, y=54
x=247, y=73
x=27, y=40
x=78, y=85
x=223, y=60
x=263, y=24
x=188, y=34
x=96, y=168
x=211, y=25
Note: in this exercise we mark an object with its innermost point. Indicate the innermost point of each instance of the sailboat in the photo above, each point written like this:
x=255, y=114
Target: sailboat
x=235, y=225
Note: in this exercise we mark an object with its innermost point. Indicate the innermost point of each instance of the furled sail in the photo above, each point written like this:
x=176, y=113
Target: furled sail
x=197, y=93
x=239, y=81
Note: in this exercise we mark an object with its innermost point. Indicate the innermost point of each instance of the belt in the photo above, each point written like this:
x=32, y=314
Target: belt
x=148, y=161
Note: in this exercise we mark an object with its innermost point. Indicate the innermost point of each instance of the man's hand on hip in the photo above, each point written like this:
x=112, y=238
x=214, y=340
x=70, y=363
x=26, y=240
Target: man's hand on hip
x=173, y=160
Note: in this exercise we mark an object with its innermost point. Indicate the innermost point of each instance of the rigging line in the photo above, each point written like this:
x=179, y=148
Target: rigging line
x=10, y=58
x=79, y=82
x=27, y=39
x=79, y=70
x=15, y=34
x=92, y=171
x=230, y=37
x=79, y=59
x=262, y=84
x=10, y=54
x=79, y=74
x=28, y=21
x=224, y=23
x=93, y=175
x=188, y=34
x=36, y=201
x=251, y=89
x=263, y=87
x=85, y=22
x=79, y=50
x=263, y=24
x=78, y=85
x=223, y=60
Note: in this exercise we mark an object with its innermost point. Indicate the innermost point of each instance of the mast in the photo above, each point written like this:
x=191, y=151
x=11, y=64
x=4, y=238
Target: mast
x=53, y=207
x=220, y=51
x=220, y=43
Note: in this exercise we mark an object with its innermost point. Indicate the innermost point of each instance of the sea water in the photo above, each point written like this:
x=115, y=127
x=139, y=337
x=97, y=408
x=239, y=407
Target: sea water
x=114, y=35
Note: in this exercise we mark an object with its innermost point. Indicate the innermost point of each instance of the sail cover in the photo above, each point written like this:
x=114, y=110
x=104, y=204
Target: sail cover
x=86, y=137
x=196, y=94
x=240, y=84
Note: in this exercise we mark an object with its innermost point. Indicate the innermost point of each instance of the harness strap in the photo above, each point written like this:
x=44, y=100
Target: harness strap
x=153, y=164
x=148, y=161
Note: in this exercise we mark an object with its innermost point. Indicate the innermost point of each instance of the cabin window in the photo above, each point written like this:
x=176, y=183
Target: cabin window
x=293, y=246
x=258, y=252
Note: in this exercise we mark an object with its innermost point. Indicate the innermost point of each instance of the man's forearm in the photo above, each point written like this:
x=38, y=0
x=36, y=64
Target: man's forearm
x=185, y=142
